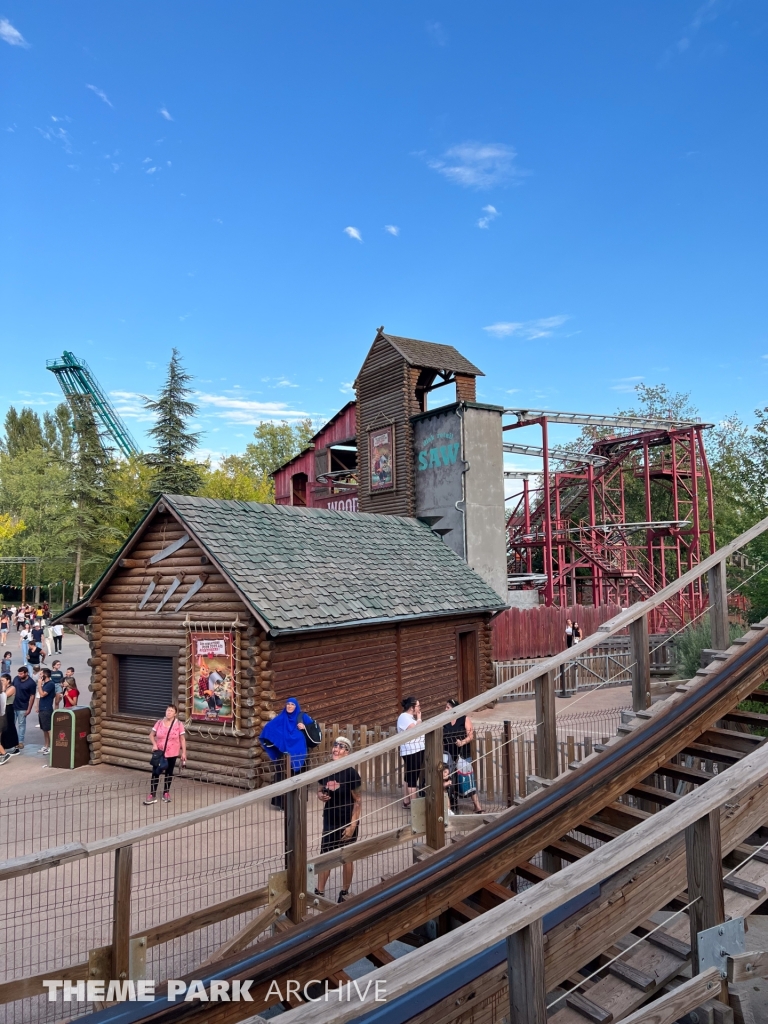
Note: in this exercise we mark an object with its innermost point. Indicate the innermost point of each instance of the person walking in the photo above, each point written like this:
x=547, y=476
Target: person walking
x=4, y=756
x=45, y=694
x=169, y=740
x=285, y=736
x=58, y=637
x=4, y=623
x=48, y=639
x=341, y=797
x=35, y=657
x=23, y=702
x=457, y=737
x=5, y=664
x=25, y=636
x=576, y=633
x=9, y=738
x=411, y=751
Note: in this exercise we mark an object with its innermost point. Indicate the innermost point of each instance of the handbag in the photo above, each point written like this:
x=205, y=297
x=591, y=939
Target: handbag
x=465, y=777
x=158, y=759
x=313, y=733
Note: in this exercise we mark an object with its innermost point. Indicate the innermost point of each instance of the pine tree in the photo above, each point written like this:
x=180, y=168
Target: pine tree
x=175, y=472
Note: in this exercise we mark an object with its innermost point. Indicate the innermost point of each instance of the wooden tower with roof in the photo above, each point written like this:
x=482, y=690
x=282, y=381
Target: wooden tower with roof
x=391, y=387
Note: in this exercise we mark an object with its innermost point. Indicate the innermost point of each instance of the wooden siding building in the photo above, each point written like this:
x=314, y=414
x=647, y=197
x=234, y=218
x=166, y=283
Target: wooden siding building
x=392, y=386
x=226, y=608
x=325, y=474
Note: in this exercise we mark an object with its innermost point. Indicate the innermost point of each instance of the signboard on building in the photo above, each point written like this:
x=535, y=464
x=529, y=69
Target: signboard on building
x=438, y=471
x=381, y=451
x=212, y=676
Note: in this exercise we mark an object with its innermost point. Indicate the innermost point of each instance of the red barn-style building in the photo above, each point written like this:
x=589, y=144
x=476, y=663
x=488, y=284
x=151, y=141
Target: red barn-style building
x=325, y=474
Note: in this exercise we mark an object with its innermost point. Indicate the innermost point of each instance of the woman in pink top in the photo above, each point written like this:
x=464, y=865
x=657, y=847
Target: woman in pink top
x=168, y=736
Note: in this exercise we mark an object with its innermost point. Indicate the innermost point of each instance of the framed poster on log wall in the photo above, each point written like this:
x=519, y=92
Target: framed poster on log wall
x=381, y=458
x=211, y=667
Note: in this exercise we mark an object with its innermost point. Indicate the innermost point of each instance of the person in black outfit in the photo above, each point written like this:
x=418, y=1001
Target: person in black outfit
x=35, y=657
x=457, y=737
x=342, y=805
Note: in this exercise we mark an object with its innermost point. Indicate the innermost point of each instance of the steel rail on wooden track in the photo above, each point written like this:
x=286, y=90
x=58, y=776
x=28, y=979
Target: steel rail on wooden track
x=319, y=946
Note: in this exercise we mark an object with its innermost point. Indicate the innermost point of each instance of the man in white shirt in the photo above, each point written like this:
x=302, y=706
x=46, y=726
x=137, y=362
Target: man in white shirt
x=58, y=637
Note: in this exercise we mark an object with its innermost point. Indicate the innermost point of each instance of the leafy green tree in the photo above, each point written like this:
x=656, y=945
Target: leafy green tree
x=234, y=478
x=275, y=444
x=23, y=431
x=175, y=471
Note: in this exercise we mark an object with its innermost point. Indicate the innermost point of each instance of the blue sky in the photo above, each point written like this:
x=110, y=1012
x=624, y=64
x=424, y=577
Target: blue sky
x=572, y=194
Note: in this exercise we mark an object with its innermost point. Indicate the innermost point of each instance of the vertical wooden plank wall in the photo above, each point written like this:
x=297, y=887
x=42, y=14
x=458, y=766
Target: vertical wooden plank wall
x=540, y=632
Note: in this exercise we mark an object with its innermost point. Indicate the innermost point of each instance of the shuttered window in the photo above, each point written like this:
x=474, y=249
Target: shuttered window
x=145, y=685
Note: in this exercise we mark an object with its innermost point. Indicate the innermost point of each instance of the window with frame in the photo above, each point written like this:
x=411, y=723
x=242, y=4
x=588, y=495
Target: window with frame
x=145, y=685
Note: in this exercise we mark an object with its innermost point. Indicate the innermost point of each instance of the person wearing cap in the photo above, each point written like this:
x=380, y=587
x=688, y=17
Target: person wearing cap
x=340, y=794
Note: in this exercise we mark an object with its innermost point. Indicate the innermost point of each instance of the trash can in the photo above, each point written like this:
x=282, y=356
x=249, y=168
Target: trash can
x=69, y=737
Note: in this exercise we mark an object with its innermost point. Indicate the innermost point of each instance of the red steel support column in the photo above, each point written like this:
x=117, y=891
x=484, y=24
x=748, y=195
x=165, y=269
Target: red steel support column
x=547, y=520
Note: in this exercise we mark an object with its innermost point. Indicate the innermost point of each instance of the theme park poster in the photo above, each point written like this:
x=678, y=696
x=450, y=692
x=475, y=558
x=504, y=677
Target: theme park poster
x=212, y=660
x=381, y=450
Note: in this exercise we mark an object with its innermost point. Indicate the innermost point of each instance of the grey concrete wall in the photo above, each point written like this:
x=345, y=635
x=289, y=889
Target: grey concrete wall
x=486, y=546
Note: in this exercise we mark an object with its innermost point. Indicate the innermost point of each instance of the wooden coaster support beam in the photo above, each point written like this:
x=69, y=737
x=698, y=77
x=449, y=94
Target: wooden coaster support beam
x=435, y=800
x=703, y=859
x=121, y=913
x=525, y=974
x=296, y=851
x=546, y=726
x=718, y=607
x=640, y=659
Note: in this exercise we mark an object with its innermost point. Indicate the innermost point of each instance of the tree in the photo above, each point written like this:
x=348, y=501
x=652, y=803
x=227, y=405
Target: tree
x=275, y=444
x=175, y=471
x=234, y=478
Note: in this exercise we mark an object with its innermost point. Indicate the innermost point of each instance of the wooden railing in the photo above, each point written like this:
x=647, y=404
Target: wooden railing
x=287, y=890
x=717, y=816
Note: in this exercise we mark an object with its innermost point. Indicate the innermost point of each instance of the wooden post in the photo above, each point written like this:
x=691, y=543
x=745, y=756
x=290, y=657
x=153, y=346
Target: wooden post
x=704, y=866
x=525, y=974
x=718, y=607
x=435, y=804
x=546, y=729
x=639, y=655
x=121, y=913
x=296, y=851
x=508, y=762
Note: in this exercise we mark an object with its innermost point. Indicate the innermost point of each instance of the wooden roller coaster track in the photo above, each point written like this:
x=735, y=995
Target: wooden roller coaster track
x=617, y=820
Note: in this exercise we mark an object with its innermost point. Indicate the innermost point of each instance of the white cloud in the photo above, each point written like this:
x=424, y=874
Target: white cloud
x=392, y=229
x=478, y=164
x=353, y=233
x=11, y=35
x=164, y=113
x=100, y=93
x=130, y=405
x=347, y=387
x=57, y=135
x=150, y=170
x=707, y=12
x=529, y=329
x=491, y=213
x=147, y=160
x=283, y=382
x=437, y=33
x=242, y=410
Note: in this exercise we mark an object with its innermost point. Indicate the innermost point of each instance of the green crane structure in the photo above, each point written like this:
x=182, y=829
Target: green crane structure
x=77, y=381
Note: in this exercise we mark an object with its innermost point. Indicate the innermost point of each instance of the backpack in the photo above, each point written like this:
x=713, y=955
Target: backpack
x=313, y=733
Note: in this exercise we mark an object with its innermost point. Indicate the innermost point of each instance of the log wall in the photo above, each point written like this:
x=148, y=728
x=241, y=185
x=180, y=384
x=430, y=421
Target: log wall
x=361, y=675
x=116, y=620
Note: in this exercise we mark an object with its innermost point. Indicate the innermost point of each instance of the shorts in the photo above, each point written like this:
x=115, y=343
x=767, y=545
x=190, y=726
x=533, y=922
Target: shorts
x=413, y=763
x=335, y=840
x=44, y=718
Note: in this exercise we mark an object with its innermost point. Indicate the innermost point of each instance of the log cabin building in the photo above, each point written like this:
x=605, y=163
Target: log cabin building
x=226, y=608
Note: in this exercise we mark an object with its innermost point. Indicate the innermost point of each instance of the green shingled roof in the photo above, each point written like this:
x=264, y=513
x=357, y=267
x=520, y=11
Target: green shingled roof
x=306, y=568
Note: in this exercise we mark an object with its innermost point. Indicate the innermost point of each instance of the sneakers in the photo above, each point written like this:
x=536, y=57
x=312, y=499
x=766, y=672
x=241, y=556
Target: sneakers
x=44, y=750
x=151, y=799
x=166, y=798
x=13, y=751
x=343, y=895
x=4, y=758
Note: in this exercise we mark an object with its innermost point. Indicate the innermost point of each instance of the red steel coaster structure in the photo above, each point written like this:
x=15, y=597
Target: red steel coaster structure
x=617, y=523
